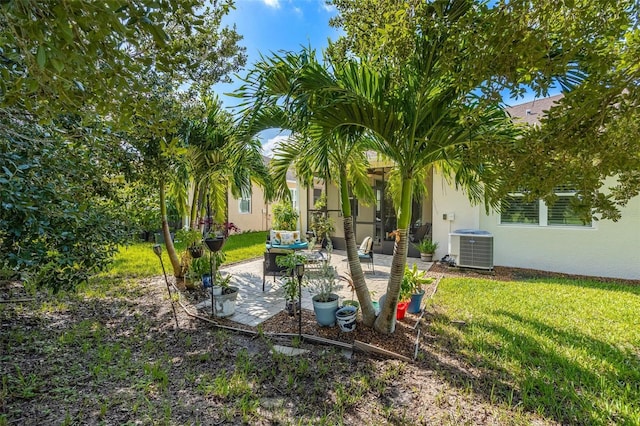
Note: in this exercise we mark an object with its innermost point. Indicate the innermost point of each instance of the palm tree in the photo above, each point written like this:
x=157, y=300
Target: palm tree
x=419, y=120
x=418, y=117
x=213, y=157
x=272, y=99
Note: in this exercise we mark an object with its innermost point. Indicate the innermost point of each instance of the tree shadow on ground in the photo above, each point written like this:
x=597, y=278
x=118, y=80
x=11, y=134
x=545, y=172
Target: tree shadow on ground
x=570, y=390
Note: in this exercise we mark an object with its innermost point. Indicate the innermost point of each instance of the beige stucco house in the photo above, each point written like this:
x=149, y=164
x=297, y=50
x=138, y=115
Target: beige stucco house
x=253, y=213
x=525, y=235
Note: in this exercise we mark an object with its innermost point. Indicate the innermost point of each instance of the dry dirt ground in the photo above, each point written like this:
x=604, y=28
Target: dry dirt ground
x=112, y=356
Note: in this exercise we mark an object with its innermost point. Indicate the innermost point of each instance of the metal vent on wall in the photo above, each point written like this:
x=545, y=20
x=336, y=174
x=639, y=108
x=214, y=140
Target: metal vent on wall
x=472, y=248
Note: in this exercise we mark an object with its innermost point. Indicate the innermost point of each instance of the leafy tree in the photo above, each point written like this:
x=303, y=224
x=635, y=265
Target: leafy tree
x=95, y=57
x=206, y=155
x=58, y=223
x=75, y=77
x=588, y=49
x=448, y=58
x=416, y=116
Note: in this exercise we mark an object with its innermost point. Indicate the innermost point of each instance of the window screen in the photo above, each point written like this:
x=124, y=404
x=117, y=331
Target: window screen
x=516, y=210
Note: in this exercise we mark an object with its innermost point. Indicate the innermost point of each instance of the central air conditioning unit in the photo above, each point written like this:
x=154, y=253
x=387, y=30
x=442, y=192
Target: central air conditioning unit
x=471, y=248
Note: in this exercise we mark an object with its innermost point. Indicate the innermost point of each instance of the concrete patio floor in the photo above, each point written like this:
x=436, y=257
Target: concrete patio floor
x=254, y=306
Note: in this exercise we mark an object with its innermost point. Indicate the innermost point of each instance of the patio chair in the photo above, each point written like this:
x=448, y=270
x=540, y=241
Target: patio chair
x=365, y=252
x=269, y=265
x=421, y=233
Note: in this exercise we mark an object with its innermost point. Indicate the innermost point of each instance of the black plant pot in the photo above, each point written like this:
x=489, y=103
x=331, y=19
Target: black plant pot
x=196, y=251
x=293, y=307
x=214, y=244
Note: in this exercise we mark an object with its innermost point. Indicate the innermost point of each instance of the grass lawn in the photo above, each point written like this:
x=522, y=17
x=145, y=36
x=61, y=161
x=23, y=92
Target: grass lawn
x=549, y=351
x=138, y=259
x=566, y=349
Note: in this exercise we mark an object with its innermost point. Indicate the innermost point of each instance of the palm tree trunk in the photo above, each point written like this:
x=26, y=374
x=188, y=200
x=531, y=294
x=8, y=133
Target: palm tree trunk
x=386, y=321
x=193, y=213
x=359, y=283
x=168, y=242
x=198, y=207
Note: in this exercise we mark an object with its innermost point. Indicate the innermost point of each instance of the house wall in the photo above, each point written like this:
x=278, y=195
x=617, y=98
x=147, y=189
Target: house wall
x=365, y=214
x=607, y=249
x=260, y=217
x=460, y=214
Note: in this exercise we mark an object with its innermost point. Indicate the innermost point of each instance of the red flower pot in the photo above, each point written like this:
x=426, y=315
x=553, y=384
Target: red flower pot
x=402, y=309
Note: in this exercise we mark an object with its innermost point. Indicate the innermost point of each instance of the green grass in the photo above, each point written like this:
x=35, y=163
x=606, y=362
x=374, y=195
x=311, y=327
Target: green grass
x=138, y=259
x=566, y=349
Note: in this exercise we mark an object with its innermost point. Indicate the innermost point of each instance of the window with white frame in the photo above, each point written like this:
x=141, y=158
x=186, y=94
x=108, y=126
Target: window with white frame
x=294, y=198
x=515, y=210
x=244, y=204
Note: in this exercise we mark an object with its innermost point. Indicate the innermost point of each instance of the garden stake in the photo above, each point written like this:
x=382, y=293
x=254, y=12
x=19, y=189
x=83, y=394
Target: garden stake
x=157, y=249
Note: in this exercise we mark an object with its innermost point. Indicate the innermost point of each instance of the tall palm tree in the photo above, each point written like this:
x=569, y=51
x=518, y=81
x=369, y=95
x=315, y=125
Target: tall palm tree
x=273, y=99
x=220, y=157
x=417, y=117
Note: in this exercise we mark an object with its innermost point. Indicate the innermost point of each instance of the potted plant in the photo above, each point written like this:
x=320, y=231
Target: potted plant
x=192, y=240
x=225, y=302
x=412, y=289
x=223, y=295
x=325, y=301
x=427, y=247
x=346, y=318
x=217, y=258
x=198, y=268
x=321, y=225
x=217, y=235
x=350, y=302
x=290, y=283
x=285, y=217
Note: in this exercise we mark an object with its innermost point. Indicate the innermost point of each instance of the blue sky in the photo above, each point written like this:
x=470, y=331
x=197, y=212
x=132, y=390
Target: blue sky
x=273, y=25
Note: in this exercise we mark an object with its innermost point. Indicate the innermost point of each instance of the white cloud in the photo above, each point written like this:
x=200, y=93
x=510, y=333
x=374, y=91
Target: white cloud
x=272, y=3
x=297, y=10
x=327, y=7
x=271, y=144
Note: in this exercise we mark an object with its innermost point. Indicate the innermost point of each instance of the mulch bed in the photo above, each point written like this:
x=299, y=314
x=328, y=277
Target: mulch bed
x=403, y=340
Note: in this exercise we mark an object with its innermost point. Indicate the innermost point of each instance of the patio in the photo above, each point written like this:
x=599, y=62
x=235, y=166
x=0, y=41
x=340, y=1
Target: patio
x=254, y=306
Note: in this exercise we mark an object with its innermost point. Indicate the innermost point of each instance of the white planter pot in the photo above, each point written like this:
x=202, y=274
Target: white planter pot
x=427, y=257
x=346, y=318
x=225, y=304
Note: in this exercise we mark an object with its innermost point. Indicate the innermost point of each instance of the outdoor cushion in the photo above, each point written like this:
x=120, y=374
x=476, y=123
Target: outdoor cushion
x=292, y=246
x=365, y=244
x=285, y=237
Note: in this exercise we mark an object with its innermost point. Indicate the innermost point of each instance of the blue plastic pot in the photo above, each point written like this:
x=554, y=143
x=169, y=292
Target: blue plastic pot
x=416, y=302
x=326, y=311
x=206, y=280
